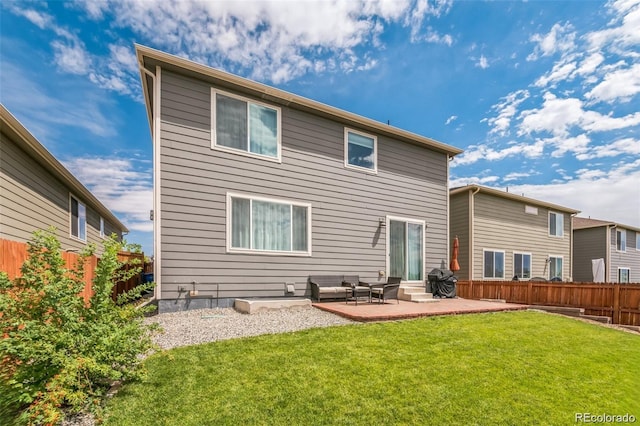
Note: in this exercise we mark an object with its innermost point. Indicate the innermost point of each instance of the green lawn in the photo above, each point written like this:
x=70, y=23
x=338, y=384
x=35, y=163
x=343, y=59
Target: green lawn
x=504, y=368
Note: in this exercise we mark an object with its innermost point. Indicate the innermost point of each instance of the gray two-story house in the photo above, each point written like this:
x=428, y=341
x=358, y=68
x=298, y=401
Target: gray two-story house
x=504, y=235
x=38, y=192
x=609, y=246
x=255, y=189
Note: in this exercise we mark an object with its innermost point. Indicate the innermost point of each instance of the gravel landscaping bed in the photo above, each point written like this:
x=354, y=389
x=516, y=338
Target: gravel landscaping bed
x=209, y=325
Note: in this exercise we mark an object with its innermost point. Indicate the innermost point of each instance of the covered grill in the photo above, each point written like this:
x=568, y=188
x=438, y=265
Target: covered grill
x=442, y=283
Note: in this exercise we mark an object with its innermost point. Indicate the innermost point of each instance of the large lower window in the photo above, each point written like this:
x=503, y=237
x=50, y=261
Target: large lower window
x=623, y=275
x=522, y=265
x=556, y=224
x=406, y=249
x=555, y=267
x=246, y=126
x=268, y=226
x=493, y=264
x=360, y=150
x=78, y=219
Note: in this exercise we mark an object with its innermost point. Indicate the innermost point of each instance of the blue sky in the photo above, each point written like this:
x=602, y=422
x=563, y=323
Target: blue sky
x=544, y=97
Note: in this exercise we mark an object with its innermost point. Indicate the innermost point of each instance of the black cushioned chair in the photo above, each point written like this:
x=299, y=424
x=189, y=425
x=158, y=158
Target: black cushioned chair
x=389, y=290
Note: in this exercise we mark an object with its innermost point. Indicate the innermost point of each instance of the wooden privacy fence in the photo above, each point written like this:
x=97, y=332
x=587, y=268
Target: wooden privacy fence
x=14, y=253
x=620, y=302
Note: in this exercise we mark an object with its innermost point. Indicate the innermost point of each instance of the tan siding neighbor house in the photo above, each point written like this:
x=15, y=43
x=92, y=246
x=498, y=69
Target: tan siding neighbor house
x=37, y=192
x=504, y=235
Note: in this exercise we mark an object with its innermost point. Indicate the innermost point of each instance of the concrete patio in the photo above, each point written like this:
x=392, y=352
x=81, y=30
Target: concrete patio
x=391, y=310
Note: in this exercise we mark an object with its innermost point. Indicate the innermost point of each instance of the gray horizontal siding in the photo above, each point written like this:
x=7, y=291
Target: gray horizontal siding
x=588, y=244
x=346, y=204
x=501, y=224
x=31, y=198
x=459, y=225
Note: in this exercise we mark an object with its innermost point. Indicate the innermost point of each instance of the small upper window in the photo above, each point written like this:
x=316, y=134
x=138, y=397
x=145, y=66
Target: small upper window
x=621, y=240
x=360, y=150
x=78, y=219
x=556, y=224
x=243, y=125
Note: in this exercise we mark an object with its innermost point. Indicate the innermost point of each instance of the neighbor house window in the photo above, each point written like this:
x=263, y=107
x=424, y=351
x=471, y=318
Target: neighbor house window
x=78, y=219
x=637, y=240
x=623, y=275
x=493, y=264
x=405, y=245
x=246, y=126
x=522, y=265
x=621, y=240
x=360, y=150
x=556, y=224
x=555, y=267
x=101, y=227
x=269, y=226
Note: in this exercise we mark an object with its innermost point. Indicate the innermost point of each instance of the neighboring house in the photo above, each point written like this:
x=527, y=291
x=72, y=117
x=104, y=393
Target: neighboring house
x=255, y=189
x=618, y=245
x=37, y=192
x=503, y=235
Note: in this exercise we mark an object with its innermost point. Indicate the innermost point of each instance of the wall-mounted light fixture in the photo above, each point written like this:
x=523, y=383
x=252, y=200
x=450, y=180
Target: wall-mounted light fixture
x=382, y=221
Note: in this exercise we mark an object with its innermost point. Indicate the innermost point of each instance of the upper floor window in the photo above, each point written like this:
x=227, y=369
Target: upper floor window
x=556, y=224
x=621, y=240
x=493, y=264
x=246, y=126
x=360, y=151
x=269, y=226
x=78, y=219
x=522, y=265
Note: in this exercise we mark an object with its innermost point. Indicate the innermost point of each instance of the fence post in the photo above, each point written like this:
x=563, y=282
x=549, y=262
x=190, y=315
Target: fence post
x=616, y=304
x=470, y=289
x=529, y=292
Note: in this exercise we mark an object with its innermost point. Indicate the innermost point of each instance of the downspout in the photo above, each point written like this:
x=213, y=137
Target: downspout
x=571, y=247
x=607, y=263
x=471, y=230
x=155, y=135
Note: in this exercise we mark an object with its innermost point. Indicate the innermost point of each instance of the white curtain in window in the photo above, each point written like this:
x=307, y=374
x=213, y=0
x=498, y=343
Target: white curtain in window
x=263, y=130
x=231, y=122
x=299, y=230
x=240, y=223
x=82, y=221
x=271, y=226
x=414, y=252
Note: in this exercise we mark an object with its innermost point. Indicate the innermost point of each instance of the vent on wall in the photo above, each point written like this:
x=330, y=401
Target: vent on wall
x=531, y=210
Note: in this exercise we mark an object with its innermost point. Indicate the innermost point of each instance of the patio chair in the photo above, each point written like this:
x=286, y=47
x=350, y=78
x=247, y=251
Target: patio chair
x=389, y=290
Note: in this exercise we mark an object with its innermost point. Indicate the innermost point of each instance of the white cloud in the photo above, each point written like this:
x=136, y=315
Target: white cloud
x=506, y=109
x=482, y=62
x=450, y=120
x=71, y=57
x=479, y=180
x=590, y=64
x=626, y=146
x=561, y=71
x=561, y=38
x=619, y=86
x=515, y=176
x=475, y=153
x=116, y=183
x=624, y=31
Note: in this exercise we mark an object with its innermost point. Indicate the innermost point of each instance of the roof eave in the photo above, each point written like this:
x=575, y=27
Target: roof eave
x=290, y=99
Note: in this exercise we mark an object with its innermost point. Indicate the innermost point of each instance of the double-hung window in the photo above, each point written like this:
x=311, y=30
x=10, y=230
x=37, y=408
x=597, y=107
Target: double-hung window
x=493, y=264
x=555, y=267
x=268, y=226
x=556, y=224
x=621, y=240
x=522, y=265
x=245, y=126
x=78, y=219
x=623, y=275
x=360, y=151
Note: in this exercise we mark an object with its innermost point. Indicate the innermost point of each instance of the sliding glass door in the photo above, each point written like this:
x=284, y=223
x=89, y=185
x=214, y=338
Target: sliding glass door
x=405, y=246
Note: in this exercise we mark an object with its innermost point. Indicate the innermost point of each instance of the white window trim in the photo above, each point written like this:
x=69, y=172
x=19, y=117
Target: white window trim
x=621, y=231
x=504, y=266
x=424, y=242
x=514, y=264
x=102, y=227
x=77, y=238
x=628, y=273
x=215, y=146
x=555, y=256
x=549, y=224
x=230, y=249
x=373, y=171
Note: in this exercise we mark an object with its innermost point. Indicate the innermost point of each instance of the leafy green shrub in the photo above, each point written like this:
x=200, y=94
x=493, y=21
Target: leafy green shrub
x=56, y=351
